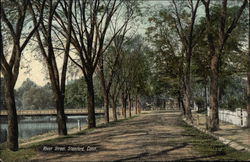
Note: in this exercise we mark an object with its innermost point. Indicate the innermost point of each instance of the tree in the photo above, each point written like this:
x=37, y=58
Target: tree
x=26, y=86
x=248, y=72
x=136, y=71
x=106, y=75
x=36, y=98
x=177, y=23
x=248, y=89
x=232, y=62
x=188, y=40
x=118, y=80
x=116, y=89
x=216, y=52
x=14, y=16
x=75, y=95
x=167, y=55
x=132, y=73
x=91, y=21
x=47, y=48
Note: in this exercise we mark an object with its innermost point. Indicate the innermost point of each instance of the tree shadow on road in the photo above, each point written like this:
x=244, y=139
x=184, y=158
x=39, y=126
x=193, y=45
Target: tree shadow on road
x=148, y=155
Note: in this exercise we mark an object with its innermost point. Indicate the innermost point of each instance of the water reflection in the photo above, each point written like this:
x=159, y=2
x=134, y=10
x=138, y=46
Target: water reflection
x=32, y=126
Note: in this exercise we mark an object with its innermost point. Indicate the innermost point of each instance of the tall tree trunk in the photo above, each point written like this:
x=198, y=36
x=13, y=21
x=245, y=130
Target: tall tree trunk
x=124, y=105
x=224, y=34
x=181, y=106
x=59, y=98
x=213, y=118
x=91, y=102
x=248, y=78
x=187, y=90
x=140, y=107
x=188, y=114
x=125, y=108
x=105, y=89
x=114, y=108
x=205, y=96
x=248, y=73
x=188, y=44
x=136, y=104
x=248, y=92
x=11, y=67
x=12, y=138
x=106, y=104
x=61, y=117
x=164, y=104
x=179, y=102
x=130, y=104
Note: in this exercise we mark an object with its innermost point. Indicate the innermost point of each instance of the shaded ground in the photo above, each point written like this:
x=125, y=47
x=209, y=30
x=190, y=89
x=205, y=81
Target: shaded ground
x=159, y=136
x=156, y=136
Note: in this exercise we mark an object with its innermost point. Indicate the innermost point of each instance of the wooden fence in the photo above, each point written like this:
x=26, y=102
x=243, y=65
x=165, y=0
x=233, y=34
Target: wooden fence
x=237, y=117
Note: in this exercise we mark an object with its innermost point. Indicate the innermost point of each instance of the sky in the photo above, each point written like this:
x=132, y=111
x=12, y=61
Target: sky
x=35, y=72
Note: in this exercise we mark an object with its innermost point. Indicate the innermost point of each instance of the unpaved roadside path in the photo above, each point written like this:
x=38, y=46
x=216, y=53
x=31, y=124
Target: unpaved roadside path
x=155, y=136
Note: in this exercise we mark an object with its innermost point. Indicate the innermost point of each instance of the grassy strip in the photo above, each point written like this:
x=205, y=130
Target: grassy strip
x=22, y=155
x=211, y=148
x=27, y=152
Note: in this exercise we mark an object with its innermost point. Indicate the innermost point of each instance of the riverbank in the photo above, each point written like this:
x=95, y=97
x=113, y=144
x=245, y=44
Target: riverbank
x=28, y=146
x=53, y=134
x=28, y=150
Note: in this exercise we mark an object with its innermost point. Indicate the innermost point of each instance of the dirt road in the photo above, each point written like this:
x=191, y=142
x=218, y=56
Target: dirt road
x=155, y=136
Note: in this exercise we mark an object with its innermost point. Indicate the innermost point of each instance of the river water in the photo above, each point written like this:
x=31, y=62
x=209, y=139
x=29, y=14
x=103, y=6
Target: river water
x=36, y=125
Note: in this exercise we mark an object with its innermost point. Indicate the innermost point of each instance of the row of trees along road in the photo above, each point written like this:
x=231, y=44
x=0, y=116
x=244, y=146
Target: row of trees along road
x=190, y=42
x=79, y=31
x=203, y=39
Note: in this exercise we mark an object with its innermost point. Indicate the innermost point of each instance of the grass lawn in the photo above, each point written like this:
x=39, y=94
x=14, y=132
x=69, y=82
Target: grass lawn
x=212, y=148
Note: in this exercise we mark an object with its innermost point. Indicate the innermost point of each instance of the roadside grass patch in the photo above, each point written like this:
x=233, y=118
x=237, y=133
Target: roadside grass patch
x=49, y=141
x=23, y=154
x=210, y=147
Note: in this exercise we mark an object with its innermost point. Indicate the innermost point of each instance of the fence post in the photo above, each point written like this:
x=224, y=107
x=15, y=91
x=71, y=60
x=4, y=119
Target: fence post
x=241, y=117
x=198, y=119
x=79, y=125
